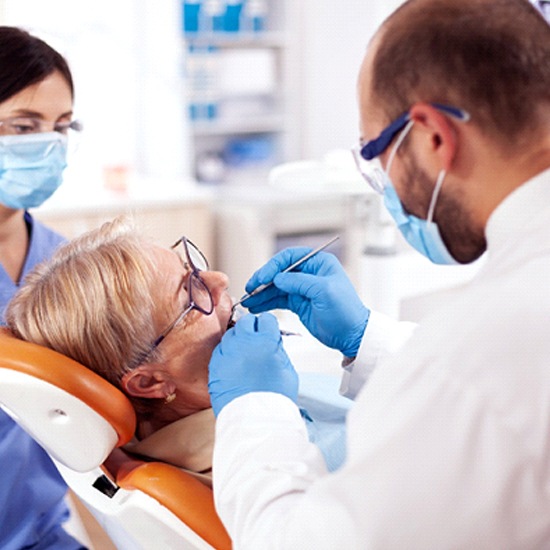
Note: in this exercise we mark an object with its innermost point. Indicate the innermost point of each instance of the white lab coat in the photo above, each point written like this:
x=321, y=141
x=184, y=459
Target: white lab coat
x=448, y=442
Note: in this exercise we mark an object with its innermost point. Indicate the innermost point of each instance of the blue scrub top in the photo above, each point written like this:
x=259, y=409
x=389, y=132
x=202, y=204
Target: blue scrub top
x=32, y=490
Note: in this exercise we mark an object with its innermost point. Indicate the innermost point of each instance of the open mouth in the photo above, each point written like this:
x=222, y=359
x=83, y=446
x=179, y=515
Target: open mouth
x=237, y=311
x=235, y=316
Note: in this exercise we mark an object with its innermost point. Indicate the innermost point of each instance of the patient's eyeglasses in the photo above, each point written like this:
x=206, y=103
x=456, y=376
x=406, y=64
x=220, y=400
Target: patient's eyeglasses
x=198, y=293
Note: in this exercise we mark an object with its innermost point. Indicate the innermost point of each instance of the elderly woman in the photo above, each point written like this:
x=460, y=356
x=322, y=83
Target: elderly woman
x=147, y=319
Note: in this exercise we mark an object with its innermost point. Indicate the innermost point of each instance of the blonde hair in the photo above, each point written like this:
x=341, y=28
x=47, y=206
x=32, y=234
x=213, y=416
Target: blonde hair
x=92, y=300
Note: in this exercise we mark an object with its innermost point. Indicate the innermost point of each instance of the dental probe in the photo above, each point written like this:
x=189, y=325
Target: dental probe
x=261, y=288
x=282, y=332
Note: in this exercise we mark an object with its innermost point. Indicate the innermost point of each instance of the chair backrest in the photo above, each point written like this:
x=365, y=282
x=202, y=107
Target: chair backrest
x=80, y=419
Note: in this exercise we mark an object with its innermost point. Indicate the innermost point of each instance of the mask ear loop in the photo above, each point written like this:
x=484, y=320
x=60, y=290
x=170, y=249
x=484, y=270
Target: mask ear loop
x=398, y=143
x=435, y=194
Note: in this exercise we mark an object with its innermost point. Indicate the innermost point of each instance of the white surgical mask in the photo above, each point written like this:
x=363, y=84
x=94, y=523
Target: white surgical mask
x=31, y=168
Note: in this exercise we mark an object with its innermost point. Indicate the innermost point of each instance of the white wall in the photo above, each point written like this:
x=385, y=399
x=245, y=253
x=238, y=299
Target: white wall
x=125, y=56
x=335, y=37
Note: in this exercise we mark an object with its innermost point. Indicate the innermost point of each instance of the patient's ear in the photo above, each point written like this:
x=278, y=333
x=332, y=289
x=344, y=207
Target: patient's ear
x=146, y=381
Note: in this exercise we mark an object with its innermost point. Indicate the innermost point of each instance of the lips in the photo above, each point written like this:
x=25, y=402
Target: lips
x=231, y=320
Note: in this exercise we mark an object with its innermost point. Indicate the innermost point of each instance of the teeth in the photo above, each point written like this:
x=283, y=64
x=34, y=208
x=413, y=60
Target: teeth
x=237, y=312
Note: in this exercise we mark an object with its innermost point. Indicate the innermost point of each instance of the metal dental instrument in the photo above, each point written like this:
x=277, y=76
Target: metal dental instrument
x=261, y=288
x=283, y=332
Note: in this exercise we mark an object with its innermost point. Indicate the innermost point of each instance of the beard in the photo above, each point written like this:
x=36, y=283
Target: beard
x=463, y=238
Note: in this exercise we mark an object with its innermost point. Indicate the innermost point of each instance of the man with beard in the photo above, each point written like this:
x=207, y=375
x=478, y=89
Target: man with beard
x=448, y=439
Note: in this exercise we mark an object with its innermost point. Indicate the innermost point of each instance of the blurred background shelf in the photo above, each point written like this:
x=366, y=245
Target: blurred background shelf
x=267, y=39
x=240, y=86
x=255, y=125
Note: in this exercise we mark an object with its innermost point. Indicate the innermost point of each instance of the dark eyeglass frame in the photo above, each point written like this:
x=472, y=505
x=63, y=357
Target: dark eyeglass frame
x=378, y=145
x=194, y=281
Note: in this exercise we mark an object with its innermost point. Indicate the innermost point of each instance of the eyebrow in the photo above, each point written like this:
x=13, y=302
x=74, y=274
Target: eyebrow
x=36, y=114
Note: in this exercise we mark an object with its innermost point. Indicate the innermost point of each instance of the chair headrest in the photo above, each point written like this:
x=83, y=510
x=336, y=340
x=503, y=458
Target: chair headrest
x=76, y=415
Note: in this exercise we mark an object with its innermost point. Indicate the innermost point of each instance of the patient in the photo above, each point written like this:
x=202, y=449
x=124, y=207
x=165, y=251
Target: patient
x=147, y=319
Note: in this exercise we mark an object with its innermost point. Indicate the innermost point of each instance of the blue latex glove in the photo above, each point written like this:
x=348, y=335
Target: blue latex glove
x=319, y=292
x=250, y=358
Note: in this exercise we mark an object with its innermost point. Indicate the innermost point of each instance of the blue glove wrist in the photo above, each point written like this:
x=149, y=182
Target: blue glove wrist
x=351, y=348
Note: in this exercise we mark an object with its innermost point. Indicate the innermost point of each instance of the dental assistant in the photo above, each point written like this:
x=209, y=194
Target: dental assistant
x=449, y=437
x=36, y=104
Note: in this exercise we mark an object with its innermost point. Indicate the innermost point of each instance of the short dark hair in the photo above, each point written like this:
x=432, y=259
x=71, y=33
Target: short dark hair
x=26, y=60
x=489, y=57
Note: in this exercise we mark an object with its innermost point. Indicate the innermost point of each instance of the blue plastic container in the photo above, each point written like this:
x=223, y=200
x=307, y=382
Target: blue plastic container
x=249, y=151
x=190, y=15
x=233, y=15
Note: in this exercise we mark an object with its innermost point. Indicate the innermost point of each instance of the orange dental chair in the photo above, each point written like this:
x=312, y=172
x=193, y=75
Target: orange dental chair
x=80, y=419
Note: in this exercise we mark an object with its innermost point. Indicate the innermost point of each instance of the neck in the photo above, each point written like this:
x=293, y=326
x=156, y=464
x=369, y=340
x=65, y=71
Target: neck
x=164, y=415
x=161, y=417
x=12, y=222
x=14, y=241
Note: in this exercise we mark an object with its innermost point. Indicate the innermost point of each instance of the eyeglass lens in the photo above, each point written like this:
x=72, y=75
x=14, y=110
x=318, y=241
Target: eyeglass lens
x=371, y=170
x=194, y=256
x=199, y=294
x=32, y=125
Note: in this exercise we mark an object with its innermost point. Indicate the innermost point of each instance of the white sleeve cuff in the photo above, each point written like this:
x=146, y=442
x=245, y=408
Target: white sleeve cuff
x=383, y=336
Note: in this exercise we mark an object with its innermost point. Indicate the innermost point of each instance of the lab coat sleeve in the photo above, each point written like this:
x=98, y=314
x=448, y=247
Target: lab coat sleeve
x=441, y=471
x=257, y=495
x=383, y=337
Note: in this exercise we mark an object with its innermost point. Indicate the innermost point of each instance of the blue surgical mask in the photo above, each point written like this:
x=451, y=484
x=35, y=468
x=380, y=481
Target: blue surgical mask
x=31, y=168
x=422, y=235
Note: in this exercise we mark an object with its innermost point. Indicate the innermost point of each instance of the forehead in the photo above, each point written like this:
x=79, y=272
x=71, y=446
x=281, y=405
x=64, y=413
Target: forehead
x=49, y=98
x=167, y=262
x=168, y=273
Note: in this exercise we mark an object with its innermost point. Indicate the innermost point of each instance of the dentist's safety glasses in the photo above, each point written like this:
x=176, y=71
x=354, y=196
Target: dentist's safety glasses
x=371, y=170
x=369, y=151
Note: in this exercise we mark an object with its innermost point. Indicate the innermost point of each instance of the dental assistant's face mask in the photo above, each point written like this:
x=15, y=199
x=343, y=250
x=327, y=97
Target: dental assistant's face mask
x=31, y=168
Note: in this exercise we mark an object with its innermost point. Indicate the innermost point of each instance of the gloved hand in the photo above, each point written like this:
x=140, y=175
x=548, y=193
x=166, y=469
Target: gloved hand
x=319, y=292
x=250, y=358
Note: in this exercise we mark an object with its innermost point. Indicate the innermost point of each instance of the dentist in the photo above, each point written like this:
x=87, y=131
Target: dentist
x=36, y=104
x=448, y=440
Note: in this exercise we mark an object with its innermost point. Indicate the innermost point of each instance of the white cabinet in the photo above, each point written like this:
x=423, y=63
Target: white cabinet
x=251, y=228
x=242, y=89
x=162, y=221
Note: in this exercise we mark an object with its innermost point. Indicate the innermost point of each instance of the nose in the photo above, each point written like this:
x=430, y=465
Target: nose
x=217, y=283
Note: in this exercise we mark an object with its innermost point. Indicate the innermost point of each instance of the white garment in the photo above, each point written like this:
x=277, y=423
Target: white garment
x=448, y=443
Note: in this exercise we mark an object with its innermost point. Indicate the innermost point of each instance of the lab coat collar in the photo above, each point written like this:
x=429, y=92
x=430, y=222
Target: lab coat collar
x=525, y=206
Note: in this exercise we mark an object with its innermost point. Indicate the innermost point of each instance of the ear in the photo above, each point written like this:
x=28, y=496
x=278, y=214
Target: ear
x=440, y=129
x=147, y=381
